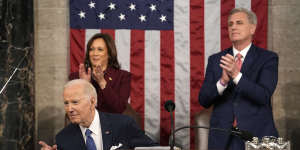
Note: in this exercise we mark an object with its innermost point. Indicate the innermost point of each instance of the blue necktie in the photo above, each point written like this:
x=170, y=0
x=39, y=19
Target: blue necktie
x=90, y=144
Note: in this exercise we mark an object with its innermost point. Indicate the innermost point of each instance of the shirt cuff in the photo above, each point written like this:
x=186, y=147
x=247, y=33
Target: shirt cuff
x=220, y=87
x=237, y=78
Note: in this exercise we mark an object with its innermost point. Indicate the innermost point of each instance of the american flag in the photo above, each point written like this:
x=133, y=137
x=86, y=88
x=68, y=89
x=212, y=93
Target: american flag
x=165, y=45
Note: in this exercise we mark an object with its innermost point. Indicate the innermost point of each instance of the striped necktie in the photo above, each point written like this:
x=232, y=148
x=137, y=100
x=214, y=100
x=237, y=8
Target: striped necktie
x=239, y=63
x=90, y=144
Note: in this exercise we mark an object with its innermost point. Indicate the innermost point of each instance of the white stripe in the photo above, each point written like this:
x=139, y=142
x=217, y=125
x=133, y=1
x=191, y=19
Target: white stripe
x=123, y=47
x=152, y=84
x=212, y=28
x=243, y=4
x=182, y=70
x=88, y=34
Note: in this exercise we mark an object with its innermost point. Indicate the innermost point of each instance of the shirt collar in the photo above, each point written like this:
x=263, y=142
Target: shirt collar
x=243, y=52
x=95, y=125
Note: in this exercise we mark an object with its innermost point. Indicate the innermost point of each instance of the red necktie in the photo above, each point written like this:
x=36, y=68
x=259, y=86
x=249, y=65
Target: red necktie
x=239, y=63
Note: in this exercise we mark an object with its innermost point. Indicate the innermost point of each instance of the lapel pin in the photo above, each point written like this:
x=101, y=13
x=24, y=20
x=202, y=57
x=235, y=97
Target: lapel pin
x=110, y=78
x=107, y=132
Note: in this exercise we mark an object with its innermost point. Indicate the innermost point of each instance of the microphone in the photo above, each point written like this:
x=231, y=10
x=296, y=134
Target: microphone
x=245, y=135
x=170, y=107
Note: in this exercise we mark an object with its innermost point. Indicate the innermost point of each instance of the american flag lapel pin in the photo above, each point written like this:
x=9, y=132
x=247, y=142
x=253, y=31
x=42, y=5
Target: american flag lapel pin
x=107, y=132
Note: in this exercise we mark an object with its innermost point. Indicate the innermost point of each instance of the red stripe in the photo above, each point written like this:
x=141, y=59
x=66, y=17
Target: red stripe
x=111, y=32
x=260, y=7
x=167, y=82
x=137, y=68
x=197, y=59
x=226, y=7
x=77, y=44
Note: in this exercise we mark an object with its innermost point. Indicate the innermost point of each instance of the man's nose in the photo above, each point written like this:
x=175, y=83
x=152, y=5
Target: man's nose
x=233, y=26
x=69, y=108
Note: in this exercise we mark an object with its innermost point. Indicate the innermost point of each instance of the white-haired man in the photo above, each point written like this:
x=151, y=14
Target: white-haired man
x=93, y=130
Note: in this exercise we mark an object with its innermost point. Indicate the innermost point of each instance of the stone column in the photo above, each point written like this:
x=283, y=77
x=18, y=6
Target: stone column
x=284, y=38
x=51, y=66
x=16, y=54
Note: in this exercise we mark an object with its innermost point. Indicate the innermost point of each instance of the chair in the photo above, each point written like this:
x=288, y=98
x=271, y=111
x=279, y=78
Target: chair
x=133, y=114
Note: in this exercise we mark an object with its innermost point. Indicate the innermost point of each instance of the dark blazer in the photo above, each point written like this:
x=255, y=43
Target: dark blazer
x=114, y=97
x=249, y=101
x=115, y=128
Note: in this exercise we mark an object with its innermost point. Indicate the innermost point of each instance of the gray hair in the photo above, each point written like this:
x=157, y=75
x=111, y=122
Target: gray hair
x=89, y=89
x=250, y=14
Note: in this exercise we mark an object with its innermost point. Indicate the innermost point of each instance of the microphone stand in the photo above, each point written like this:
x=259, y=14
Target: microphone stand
x=172, y=132
x=12, y=74
x=203, y=127
x=170, y=106
x=246, y=136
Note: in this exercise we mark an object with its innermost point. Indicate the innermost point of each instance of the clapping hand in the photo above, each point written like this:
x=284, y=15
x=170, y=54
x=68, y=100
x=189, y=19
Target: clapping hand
x=83, y=74
x=229, y=65
x=98, y=75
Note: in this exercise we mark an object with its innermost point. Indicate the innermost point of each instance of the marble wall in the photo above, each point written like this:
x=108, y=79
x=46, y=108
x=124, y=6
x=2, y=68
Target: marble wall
x=16, y=54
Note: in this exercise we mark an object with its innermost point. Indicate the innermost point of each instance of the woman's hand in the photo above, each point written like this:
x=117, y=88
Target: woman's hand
x=83, y=74
x=98, y=76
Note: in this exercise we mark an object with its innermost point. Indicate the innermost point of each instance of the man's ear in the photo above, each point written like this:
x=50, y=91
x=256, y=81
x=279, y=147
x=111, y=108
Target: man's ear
x=93, y=101
x=253, y=28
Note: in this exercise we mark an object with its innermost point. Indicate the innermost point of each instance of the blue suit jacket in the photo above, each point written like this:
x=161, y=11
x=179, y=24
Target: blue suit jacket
x=249, y=101
x=115, y=128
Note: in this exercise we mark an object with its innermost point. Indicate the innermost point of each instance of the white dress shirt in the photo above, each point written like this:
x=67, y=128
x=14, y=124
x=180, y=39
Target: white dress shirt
x=236, y=80
x=95, y=127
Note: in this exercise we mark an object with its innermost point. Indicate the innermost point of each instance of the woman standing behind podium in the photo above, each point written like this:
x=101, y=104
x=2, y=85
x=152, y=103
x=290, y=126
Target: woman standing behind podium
x=102, y=69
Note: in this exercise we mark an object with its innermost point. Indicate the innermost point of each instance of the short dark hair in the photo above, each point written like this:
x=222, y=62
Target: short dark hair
x=111, y=49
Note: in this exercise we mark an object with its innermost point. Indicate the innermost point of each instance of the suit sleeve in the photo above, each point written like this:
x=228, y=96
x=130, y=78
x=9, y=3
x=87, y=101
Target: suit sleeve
x=261, y=90
x=117, y=100
x=209, y=93
x=58, y=143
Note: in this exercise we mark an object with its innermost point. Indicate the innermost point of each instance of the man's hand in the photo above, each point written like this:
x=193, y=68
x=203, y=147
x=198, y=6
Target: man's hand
x=83, y=74
x=47, y=147
x=225, y=78
x=229, y=65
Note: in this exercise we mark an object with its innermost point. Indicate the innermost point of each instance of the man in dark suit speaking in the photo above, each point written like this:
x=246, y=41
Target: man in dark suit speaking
x=239, y=83
x=93, y=130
